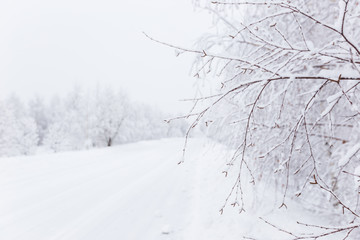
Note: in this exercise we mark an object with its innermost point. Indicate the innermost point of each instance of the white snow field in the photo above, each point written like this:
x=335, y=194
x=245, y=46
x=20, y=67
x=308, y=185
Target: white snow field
x=130, y=192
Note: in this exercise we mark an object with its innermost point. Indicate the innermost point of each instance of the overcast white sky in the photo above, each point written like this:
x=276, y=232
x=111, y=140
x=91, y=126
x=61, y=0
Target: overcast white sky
x=47, y=47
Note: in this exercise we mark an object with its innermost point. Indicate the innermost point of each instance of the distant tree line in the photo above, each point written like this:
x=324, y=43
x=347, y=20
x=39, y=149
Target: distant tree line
x=80, y=120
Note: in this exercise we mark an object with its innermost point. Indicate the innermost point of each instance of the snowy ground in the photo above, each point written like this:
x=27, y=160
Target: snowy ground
x=135, y=191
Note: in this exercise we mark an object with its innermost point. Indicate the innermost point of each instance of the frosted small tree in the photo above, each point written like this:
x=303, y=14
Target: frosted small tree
x=27, y=135
x=66, y=129
x=75, y=117
x=57, y=138
x=111, y=110
x=8, y=132
x=18, y=131
x=38, y=112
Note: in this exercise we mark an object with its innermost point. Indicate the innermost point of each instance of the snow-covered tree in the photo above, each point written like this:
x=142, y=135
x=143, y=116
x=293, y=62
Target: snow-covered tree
x=18, y=131
x=66, y=129
x=111, y=109
x=57, y=138
x=39, y=113
x=288, y=75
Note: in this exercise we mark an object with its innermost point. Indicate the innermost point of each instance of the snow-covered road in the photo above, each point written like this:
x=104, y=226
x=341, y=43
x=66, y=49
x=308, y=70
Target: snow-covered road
x=135, y=191
x=130, y=192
